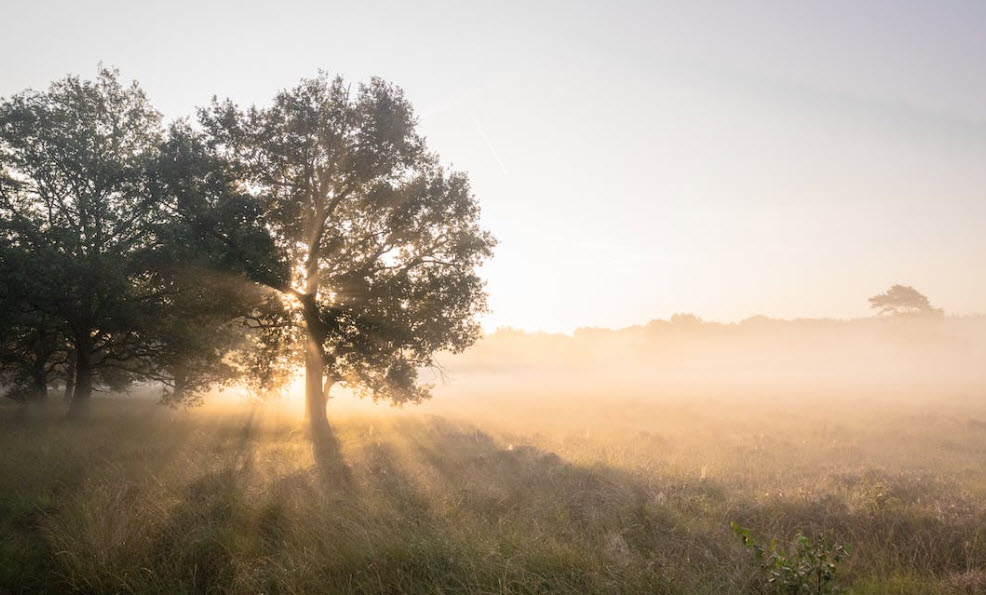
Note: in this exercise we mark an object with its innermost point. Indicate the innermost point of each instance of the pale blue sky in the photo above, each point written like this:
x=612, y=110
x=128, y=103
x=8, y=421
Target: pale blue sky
x=635, y=159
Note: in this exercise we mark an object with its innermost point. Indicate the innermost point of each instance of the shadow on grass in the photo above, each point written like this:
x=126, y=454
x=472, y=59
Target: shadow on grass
x=432, y=506
x=411, y=505
x=192, y=546
x=328, y=457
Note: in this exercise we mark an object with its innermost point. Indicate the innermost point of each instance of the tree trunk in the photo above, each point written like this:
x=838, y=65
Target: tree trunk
x=314, y=394
x=314, y=361
x=39, y=390
x=70, y=376
x=83, y=383
x=327, y=388
x=179, y=375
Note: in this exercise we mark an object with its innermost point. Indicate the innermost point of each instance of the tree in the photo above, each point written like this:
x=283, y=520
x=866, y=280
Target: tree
x=382, y=242
x=209, y=241
x=902, y=300
x=76, y=156
x=122, y=235
x=32, y=345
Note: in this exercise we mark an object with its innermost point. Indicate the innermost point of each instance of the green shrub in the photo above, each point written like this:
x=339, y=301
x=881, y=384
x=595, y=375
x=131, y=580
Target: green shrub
x=808, y=570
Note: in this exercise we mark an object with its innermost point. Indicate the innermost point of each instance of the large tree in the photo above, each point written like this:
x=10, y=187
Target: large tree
x=382, y=242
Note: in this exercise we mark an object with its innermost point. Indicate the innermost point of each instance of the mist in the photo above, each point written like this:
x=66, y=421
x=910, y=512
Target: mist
x=931, y=357
x=252, y=258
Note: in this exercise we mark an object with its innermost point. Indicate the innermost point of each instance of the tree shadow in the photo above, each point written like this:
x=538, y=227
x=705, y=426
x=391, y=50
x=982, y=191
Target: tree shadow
x=192, y=547
x=329, y=460
x=466, y=508
x=427, y=505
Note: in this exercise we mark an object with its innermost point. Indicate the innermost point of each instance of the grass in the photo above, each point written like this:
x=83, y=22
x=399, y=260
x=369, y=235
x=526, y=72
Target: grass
x=568, y=496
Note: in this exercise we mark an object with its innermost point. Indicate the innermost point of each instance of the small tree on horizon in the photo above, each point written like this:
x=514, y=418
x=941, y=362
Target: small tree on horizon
x=902, y=300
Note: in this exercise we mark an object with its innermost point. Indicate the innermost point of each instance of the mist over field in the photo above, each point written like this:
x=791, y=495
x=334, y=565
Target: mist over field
x=931, y=357
x=602, y=461
x=252, y=257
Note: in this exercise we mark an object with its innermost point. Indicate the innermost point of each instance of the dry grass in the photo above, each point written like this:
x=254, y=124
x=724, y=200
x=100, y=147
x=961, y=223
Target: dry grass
x=569, y=495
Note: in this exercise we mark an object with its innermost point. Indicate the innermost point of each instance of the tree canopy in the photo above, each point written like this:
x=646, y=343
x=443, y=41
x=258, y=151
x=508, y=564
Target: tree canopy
x=319, y=227
x=102, y=212
x=902, y=300
x=383, y=243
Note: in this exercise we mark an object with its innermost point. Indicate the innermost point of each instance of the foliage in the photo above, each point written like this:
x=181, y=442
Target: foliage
x=210, y=241
x=138, y=252
x=126, y=246
x=809, y=569
x=382, y=242
x=32, y=343
x=269, y=361
x=73, y=205
x=901, y=300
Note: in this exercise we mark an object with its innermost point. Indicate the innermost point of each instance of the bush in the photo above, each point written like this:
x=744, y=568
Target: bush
x=808, y=570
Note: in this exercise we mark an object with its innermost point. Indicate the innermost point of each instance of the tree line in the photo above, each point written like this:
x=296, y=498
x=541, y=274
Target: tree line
x=316, y=231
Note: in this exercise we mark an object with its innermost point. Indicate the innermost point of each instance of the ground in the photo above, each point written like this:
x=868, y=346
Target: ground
x=595, y=494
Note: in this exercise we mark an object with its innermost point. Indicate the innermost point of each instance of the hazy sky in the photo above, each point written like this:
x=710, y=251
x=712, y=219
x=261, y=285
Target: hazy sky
x=634, y=159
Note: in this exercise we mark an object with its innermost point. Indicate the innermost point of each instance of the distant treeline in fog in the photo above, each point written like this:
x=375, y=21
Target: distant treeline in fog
x=909, y=353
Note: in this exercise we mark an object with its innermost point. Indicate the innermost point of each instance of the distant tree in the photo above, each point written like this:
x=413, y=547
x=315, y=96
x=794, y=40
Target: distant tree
x=902, y=300
x=685, y=320
x=383, y=244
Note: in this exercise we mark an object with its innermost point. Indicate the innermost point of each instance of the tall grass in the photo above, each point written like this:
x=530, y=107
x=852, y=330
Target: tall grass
x=622, y=496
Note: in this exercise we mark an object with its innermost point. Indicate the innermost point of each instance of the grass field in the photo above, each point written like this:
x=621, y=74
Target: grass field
x=580, y=495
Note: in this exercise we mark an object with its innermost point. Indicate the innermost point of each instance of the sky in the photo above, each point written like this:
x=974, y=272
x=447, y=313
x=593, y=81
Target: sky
x=635, y=159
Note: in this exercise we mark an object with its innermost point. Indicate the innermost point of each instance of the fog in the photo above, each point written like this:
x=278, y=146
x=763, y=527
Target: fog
x=629, y=451
x=928, y=356
x=531, y=378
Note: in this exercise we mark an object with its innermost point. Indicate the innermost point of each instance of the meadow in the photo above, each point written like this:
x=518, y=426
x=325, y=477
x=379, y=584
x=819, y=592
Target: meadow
x=526, y=493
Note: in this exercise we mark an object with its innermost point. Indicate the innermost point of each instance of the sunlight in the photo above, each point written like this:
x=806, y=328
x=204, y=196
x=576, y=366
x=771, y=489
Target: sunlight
x=402, y=298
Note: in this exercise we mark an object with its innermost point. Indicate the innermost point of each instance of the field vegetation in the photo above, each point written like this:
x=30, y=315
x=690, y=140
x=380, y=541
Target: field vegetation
x=621, y=494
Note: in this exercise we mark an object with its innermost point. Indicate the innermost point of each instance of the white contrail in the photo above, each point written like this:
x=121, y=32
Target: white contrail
x=489, y=144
